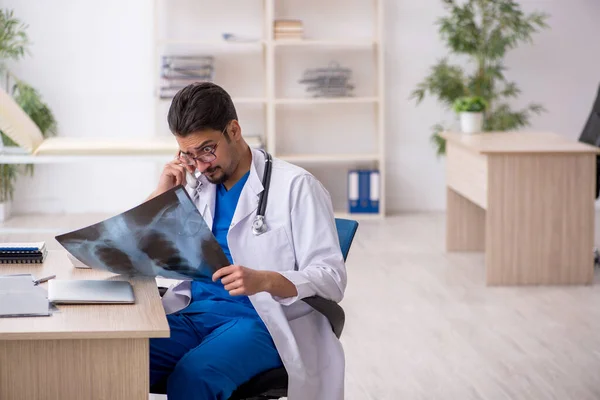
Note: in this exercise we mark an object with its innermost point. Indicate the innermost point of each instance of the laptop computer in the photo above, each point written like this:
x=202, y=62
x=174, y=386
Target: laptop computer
x=90, y=292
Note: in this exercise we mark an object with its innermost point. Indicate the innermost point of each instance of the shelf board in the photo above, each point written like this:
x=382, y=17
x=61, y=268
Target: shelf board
x=359, y=44
x=248, y=100
x=216, y=45
x=328, y=158
x=327, y=100
x=236, y=100
x=359, y=216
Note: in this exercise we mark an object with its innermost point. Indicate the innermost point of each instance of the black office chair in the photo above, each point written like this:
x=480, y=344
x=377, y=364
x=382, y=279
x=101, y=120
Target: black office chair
x=273, y=384
x=591, y=135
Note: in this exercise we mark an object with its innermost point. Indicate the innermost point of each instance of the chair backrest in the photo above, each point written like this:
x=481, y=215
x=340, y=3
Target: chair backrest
x=591, y=130
x=591, y=135
x=333, y=311
x=346, y=229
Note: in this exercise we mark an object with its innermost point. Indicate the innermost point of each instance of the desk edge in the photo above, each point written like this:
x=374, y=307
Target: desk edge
x=158, y=333
x=585, y=148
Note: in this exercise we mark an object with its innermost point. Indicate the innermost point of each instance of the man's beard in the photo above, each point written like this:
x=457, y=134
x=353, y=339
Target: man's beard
x=217, y=178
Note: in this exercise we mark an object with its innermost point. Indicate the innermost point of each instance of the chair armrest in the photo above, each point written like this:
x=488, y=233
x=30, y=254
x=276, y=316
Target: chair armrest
x=330, y=309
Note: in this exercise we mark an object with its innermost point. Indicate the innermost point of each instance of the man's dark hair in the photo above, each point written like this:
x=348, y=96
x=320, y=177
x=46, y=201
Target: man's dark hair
x=200, y=106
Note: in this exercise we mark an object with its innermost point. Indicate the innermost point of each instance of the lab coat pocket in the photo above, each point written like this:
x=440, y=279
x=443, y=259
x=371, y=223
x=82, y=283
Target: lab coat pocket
x=307, y=333
x=273, y=251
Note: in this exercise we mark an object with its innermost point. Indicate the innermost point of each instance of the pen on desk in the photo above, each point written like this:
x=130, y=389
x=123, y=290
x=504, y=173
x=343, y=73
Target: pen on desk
x=42, y=280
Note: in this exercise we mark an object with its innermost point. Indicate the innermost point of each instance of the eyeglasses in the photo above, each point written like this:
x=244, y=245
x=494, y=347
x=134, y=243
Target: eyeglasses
x=207, y=154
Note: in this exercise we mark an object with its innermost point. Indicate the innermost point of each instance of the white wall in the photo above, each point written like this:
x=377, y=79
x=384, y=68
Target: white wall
x=92, y=61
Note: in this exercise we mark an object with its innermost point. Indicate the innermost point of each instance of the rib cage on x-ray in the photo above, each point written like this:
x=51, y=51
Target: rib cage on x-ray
x=165, y=236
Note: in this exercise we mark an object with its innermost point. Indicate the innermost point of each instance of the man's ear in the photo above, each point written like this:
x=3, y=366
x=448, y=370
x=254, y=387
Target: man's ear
x=236, y=131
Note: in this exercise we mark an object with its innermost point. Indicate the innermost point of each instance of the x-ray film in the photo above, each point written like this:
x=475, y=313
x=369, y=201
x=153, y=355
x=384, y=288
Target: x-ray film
x=165, y=236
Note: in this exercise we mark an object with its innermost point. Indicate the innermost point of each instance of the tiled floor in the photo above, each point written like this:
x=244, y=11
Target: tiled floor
x=421, y=324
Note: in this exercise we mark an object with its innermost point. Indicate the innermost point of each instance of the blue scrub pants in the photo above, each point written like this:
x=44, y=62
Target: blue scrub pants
x=209, y=355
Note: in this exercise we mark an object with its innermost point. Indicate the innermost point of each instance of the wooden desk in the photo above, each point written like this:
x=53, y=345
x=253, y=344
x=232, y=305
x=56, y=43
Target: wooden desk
x=527, y=200
x=84, y=351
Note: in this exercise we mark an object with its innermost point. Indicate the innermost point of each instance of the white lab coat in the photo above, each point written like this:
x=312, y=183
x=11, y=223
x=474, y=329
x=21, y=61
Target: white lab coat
x=302, y=244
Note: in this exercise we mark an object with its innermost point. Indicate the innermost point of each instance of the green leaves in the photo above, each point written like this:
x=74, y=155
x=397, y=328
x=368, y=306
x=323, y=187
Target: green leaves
x=8, y=176
x=31, y=102
x=446, y=82
x=459, y=29
x=470, y=104
x=13, y=39
x=483, y=31
x=487, y=28
x=504, y=119
x=438, y=141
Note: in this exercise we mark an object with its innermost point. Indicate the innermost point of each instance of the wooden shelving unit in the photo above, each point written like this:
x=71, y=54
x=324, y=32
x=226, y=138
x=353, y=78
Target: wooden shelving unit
x=328, y=100
x=277, y=105
x=360, y=44
x=328, y=158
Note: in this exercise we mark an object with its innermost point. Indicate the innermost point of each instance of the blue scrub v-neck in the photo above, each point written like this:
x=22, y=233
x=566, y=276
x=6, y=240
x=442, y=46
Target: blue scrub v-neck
x=225, y=206
x=209, y=296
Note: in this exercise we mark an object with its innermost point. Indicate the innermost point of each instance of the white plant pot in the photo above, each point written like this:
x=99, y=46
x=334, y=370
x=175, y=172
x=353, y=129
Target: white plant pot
x=5, y=211
x=471, y=122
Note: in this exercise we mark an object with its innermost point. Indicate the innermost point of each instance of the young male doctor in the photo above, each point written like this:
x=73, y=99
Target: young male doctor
x=249, y=317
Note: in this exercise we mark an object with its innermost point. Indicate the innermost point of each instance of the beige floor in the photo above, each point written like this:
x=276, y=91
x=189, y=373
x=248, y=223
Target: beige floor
x=421, y=324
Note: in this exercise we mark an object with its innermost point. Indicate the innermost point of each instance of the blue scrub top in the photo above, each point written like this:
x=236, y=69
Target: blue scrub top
x=209, y=296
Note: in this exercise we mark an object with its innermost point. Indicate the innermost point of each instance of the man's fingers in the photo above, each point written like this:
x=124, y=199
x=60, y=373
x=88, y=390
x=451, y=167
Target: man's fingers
x=237, y=292
x=234, y=285
x=178, y=162
x=180, y=174
x=235, y=275
x=177, y=172
x=222, y=272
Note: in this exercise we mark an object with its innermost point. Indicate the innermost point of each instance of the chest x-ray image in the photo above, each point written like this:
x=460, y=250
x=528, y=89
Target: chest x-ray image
x=165, y=236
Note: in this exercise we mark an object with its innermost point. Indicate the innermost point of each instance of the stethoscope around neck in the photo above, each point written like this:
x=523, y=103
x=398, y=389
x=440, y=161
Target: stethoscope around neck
x=259, y=226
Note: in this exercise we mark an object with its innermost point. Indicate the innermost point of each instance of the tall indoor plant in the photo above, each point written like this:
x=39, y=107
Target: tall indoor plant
x=482, y=31
x=13, y=46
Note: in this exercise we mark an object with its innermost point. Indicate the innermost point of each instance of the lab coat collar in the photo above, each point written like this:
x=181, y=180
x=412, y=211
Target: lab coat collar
x=206, y=200
x=248, y=201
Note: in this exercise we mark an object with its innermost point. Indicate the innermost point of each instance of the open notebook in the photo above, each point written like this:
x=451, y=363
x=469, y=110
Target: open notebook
x=20, y=297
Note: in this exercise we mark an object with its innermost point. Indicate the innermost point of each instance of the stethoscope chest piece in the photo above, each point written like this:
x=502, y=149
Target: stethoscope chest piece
x=258, y=225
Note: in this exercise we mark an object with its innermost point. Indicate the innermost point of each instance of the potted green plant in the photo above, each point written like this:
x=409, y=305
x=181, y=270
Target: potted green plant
x=471, y=111
x=481, y=32
x=13, y=46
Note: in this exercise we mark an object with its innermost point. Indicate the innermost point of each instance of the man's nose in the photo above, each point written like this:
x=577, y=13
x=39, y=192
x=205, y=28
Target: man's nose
x=202, y=166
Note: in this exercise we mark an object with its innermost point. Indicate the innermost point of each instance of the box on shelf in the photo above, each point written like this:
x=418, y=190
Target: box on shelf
x=288, y=29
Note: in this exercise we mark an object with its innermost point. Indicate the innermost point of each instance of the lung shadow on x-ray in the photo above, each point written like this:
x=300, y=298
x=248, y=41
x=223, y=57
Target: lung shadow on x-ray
x=157, y=246
x=119, y=261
